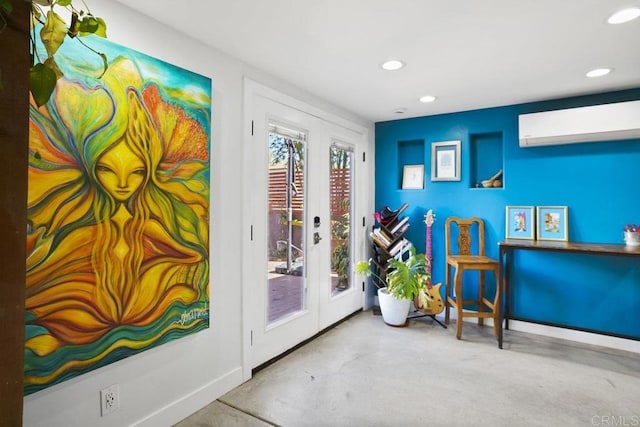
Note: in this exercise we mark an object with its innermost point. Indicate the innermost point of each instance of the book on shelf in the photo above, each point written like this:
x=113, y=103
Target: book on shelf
x=386, y=215
x=377, y=240
x=399, y=225
x=403, y=229
x=405, y=249
x=383, y=236
x=390, y=237
x=399, y=210
x=398, y=246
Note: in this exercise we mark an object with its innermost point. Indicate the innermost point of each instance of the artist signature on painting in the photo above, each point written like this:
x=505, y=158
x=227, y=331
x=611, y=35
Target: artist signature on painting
x=194, y=314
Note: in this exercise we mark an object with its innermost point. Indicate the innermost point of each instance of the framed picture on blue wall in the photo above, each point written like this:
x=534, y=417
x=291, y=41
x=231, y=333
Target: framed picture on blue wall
x=413, y=177
x=445, y=161
x=553, y=223
x=520, y=222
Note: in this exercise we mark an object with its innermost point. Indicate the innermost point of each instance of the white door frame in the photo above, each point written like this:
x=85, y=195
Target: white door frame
x=363, y=197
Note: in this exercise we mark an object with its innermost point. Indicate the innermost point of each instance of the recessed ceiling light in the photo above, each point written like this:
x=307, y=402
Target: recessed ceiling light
x=392, y=65
x=400, y=110
x=427, y=98
x=624, y=15
x=598, y=72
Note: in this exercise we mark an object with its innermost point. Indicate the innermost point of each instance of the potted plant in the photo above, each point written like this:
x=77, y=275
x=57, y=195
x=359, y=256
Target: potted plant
x=406, y=280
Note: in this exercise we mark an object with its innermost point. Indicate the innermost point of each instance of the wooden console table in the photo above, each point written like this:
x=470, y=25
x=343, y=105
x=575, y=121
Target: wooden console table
x=509, y=245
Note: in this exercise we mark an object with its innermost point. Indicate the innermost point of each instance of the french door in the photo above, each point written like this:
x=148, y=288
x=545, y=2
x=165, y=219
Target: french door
x=302, y=205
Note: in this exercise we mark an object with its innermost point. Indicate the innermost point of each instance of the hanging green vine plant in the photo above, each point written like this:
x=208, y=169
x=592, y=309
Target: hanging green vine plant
x=43, y=75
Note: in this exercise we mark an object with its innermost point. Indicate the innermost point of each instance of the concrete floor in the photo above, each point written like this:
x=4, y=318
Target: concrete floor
x=364, y=373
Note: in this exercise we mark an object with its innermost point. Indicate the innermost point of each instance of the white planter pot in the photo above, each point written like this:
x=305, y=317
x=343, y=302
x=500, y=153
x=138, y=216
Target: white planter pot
x=394, y=311
x=632, y=238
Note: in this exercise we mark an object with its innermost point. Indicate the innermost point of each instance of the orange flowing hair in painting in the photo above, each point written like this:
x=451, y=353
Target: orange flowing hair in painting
x=118, y=224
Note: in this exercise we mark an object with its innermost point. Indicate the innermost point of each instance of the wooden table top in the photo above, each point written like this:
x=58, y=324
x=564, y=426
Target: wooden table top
x=550, y=245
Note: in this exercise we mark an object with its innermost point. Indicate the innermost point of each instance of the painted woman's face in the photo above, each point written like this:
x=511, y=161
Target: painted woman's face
x=120, y=172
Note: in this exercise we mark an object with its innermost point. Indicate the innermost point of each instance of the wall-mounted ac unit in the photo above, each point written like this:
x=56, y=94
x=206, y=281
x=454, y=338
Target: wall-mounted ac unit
x=607, y=122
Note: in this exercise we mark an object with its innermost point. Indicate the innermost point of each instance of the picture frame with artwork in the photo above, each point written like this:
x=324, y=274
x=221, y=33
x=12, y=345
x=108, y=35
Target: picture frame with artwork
x=520, y=222
x=445, y=161
x=552, y=223
x=413, y=177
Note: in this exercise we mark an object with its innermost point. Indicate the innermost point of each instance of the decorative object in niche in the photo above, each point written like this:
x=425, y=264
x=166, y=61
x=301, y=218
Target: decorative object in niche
x=445, y=161
x=413, y=177
x=632, y=235
x=118, y=213
x=485, y=156
x=552, y=223
x=494, y=181
x=520, y=222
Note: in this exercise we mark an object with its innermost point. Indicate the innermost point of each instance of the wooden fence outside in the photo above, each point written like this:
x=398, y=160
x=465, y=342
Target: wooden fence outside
x=339, y=188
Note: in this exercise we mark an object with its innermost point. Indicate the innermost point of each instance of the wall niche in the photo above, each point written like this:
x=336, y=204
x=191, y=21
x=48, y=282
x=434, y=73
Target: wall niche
x=486, y=158
x=409, y=153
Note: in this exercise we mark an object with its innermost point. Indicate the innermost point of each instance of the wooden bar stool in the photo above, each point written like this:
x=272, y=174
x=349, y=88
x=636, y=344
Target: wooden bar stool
x=463, y=260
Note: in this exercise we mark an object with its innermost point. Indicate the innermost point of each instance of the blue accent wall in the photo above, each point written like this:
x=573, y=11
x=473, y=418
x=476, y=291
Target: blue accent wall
x=599, y=182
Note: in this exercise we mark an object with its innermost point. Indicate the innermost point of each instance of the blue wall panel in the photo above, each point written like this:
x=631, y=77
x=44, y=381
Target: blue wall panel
x=599, y=182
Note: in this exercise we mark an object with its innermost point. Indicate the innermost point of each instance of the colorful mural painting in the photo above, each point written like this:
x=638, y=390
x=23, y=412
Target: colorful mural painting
x=118, y=212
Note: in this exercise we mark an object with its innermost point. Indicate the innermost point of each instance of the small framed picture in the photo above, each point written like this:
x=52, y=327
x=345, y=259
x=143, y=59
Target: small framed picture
x=553, y=223
x=445, y=161
x=413, y=177
x=520, y=222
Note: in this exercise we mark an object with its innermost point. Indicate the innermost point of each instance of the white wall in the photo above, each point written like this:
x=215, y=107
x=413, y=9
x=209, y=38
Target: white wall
x=163, y=385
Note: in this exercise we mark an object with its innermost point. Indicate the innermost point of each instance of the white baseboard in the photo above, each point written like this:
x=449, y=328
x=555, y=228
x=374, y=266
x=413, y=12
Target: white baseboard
x=180, y=409
x=578, y=336
x=566, y=334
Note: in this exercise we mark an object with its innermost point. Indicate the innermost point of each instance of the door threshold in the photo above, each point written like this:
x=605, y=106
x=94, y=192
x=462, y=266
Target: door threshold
x=301, y=344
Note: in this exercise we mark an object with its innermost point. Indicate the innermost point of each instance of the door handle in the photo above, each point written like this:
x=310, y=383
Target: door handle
x=316, y=238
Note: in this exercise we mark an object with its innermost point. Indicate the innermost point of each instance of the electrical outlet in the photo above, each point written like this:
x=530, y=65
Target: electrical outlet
x=109, y=399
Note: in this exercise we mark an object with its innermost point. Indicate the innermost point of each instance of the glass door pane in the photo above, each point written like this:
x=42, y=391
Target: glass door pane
x=340, y=202
x=286, y=254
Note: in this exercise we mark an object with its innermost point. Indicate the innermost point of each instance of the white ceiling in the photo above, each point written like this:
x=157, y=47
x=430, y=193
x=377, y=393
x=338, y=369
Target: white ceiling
x=469, y=53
